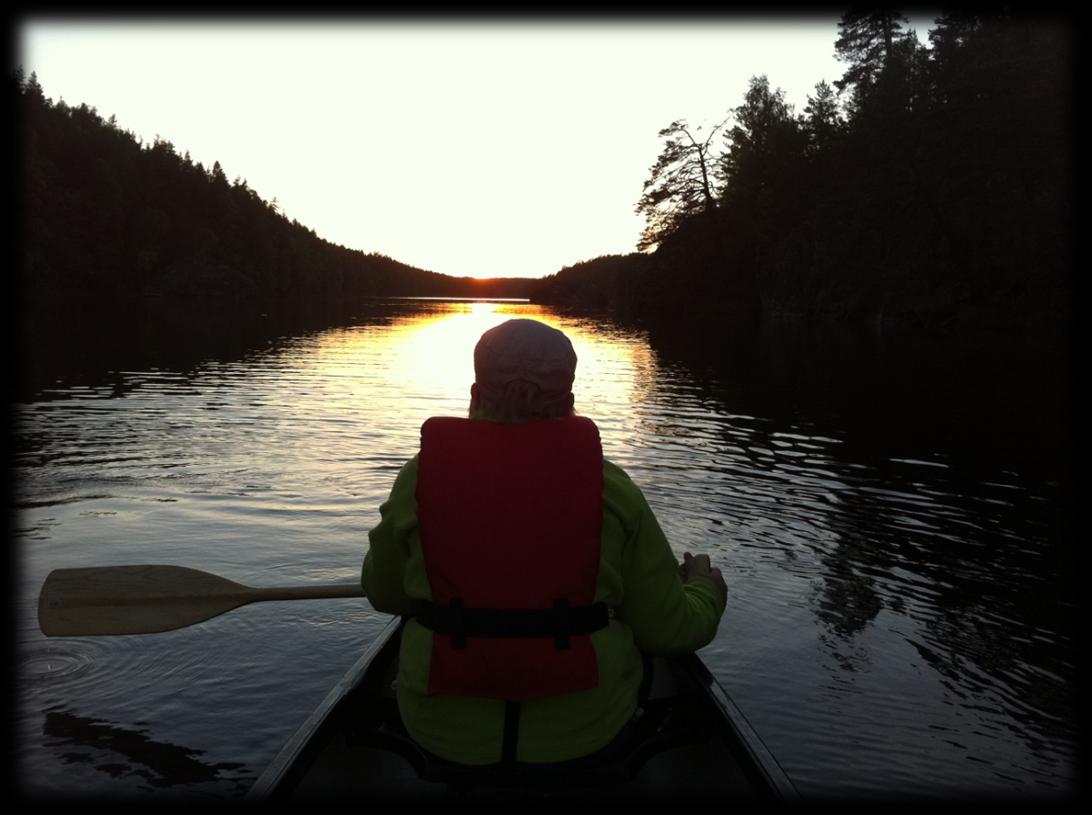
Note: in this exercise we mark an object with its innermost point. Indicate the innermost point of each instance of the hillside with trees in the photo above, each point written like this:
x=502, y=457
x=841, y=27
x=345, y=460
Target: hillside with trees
x=132, y=255
x=107, y=218
x=927, y=191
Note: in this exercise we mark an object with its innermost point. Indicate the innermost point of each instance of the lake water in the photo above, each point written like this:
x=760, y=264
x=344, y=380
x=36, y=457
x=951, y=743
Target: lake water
x=901, y=619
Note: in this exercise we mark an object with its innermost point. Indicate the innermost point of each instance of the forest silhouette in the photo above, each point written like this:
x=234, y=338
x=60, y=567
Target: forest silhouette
x=928, y=191
x=107, y=216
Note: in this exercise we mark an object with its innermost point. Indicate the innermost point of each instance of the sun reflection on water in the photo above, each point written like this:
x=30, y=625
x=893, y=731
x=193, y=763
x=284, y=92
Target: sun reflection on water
x=890, y=616
x=422, y=362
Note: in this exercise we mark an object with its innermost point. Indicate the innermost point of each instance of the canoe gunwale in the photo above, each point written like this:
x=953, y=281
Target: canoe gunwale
x=290, y=754
x=755, y=759
x=756, y=750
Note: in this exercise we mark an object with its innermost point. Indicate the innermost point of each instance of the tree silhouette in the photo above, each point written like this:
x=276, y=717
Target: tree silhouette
x=866, y=41
x=761, y=145
x=138, y=229
x=823, y=120
x=680, y=183
x=933, y=194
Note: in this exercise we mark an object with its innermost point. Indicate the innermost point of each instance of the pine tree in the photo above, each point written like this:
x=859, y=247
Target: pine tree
x=34, y=90
x=867, y=43
x=761, y=145
x=823, y=120
x=680, y=183
x=217, y=176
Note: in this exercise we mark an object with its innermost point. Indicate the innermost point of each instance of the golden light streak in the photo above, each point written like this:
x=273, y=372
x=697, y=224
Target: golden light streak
x=423, y=363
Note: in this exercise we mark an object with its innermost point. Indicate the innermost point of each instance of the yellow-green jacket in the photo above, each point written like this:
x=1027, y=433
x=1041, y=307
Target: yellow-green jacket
x=654, y=612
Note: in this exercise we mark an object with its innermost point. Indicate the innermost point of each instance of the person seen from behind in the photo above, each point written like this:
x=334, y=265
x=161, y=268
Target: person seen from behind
x=532, y=572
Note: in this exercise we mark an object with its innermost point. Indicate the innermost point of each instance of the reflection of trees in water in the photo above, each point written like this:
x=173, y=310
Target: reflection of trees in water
x=986, y=402
x=847, y=600
x=973, y=550
x=120, y=752
x=1010, y=634
x=83, y=343
x=981, y=580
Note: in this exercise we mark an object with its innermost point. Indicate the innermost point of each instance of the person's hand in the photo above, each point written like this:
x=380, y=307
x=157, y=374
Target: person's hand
x=700, y=566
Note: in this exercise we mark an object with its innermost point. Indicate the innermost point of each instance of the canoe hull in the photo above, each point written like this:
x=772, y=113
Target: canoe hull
x=694, y=744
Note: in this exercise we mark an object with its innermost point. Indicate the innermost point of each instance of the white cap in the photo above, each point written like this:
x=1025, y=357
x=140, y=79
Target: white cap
x=528, y=350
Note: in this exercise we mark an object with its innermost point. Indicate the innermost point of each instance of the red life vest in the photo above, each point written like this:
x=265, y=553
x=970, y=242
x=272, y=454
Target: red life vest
x=510, y=519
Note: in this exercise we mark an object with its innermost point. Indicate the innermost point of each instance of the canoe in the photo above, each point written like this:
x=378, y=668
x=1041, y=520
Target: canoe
x=691, y=742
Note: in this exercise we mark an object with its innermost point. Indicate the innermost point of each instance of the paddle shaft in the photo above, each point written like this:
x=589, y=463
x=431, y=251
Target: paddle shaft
x=150, y=599
x=243, y=596
x=307, y=592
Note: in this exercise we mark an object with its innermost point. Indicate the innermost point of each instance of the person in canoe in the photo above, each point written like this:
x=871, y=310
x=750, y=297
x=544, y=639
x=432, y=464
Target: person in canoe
x=532, y=571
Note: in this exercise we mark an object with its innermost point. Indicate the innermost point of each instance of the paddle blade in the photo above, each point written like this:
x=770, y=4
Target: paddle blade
x=133, y=600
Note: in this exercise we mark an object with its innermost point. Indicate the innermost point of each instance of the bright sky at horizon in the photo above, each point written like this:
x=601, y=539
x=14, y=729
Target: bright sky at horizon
x=471, y=148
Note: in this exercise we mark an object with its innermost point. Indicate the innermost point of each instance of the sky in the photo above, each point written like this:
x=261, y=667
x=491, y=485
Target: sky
x=481, y=148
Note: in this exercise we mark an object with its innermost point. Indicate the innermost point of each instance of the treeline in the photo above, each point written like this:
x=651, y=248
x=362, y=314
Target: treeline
x=107, y=218
x=929, y=189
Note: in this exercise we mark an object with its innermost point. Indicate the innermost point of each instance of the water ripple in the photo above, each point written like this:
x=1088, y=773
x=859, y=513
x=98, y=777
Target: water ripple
x=894, y=618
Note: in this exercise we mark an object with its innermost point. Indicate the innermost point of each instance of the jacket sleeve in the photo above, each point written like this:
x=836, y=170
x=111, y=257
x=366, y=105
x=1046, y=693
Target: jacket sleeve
x=384, y=572
x=667, y=615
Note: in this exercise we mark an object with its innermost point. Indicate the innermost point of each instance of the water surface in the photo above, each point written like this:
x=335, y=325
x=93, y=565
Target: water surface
x=900, y=619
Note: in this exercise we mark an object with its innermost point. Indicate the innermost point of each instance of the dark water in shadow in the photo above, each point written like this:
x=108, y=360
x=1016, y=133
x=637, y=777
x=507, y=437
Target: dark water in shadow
x=120, y=751
x=890, y=517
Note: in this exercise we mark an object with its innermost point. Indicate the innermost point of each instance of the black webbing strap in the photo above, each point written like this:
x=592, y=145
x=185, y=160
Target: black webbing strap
x=560, y=623
x=511, y=734
x=644, y=691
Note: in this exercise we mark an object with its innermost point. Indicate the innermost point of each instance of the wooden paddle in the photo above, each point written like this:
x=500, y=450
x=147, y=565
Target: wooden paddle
x=149, y=599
